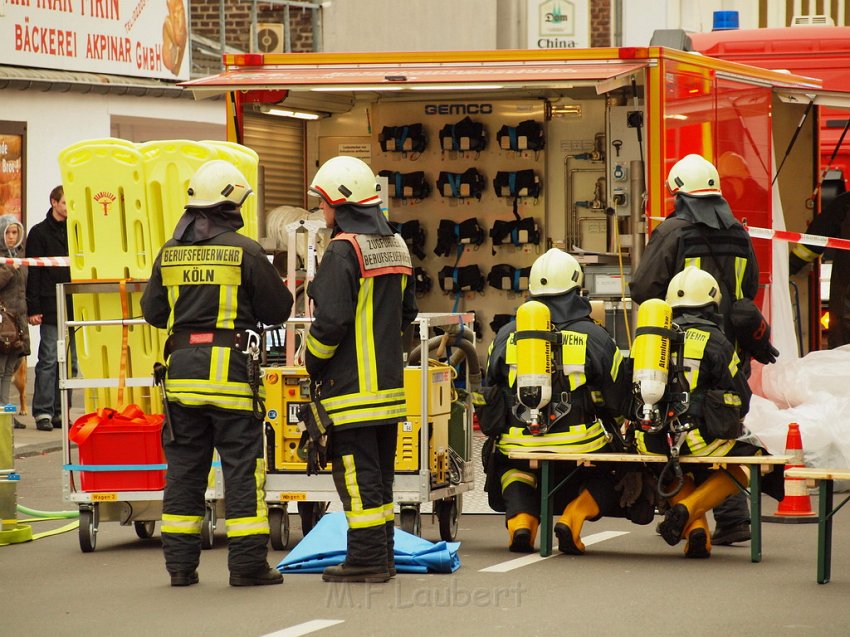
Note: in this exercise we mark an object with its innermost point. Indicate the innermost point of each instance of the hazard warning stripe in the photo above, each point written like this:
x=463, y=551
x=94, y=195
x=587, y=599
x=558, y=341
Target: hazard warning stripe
x=791, y=237
x=38, y=262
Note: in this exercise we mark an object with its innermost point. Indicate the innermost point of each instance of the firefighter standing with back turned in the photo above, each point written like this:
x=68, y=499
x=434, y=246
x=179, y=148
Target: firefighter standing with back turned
x=363, y=296
x=211, y=287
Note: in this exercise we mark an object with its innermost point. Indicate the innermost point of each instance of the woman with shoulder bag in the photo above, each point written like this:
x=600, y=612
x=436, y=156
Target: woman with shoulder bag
x=13, y=306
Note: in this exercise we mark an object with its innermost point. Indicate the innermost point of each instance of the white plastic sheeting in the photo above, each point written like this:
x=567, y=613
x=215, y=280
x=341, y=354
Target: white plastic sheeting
x=814, y=392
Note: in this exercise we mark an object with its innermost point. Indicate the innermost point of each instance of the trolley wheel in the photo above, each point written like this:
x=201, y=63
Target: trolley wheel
x=448, y=513
x=208, y=527
x=410, y=519
x=278, y=527
x=311, y=513
x=88, y=528
x=144, y=529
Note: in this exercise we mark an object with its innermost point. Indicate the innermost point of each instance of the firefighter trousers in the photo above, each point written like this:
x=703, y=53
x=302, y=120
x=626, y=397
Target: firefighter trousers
x=238, y=438
x=363, y=472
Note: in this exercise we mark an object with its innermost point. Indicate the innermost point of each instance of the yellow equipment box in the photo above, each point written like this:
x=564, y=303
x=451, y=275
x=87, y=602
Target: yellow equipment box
x=287, y=388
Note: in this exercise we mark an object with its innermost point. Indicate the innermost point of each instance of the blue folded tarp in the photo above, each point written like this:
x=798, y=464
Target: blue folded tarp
x=325, y=546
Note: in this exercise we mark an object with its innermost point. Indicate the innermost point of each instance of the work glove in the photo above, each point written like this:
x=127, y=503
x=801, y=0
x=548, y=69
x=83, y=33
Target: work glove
x=315, y=426
x=630, y=487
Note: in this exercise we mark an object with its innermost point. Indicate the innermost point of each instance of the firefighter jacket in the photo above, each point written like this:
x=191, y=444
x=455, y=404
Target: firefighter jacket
x=711, y=367
x=720, y=245
x=593, y=375
x=832, y=222
x=222, y=283
x=363, y=297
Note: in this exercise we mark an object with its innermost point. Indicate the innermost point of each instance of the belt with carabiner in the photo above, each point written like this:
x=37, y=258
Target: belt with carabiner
x=240, y=340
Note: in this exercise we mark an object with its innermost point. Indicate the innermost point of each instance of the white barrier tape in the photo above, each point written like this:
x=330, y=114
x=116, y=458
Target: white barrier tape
x=38, y=262
x=791, y=237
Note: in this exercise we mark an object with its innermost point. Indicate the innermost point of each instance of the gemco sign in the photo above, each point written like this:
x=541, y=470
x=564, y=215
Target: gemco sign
x=146, y=38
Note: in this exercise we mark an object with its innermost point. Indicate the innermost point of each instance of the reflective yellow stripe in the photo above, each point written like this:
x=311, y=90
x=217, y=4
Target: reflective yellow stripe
x=202, y=385
x=515, y=475
x=389, y=516
x=510, y=358
x=388, y=412
x=734, y=364
x=696, y=445
x=201, y=274
x=219, y=362
x=366, y=518
x=173, y=295
x=240, y=527
x=615, y=365
x=579, y=439
x=740, y=270
x=362, y=398
x=185, y=524
x=319, y=349
x=695, y=342
x=573, y=355
x=228, y=304
x=194, y=399
x=351, y=482
x=364, y=332
x=730, y=398
x=804, y=252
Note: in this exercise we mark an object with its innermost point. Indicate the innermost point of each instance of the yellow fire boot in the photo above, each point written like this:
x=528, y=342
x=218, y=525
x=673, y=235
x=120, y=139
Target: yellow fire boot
x=522, y=529
x=568, y=527
x=698, y=545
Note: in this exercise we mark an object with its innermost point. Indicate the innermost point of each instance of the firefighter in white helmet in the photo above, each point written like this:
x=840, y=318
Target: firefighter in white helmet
x=702, y=231
x=719, y=398
x=363, y=296
x=212, y=288
x=591, y=378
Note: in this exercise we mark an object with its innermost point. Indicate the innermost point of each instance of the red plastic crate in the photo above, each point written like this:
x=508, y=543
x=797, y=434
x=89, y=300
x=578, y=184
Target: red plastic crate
x=123, y=442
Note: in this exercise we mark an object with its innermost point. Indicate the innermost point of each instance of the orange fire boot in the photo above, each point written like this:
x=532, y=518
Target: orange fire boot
x=522, y=529
x=568, y=527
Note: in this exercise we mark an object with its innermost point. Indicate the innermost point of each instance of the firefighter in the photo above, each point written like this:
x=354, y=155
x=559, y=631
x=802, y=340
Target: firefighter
x=363, y=297
x=593, y=377
x=832, y=222
x=211, y=288
x=719, y=398
x=703, y=232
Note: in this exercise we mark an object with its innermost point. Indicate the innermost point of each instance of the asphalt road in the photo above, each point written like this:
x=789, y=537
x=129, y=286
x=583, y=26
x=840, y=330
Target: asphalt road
x=629, y=584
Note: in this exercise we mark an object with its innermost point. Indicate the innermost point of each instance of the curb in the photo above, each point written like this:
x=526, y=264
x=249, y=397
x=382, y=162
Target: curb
x=37, y=449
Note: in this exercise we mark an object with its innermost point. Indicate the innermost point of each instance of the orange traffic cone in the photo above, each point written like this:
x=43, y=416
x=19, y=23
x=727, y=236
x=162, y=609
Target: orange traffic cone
x=796, y=506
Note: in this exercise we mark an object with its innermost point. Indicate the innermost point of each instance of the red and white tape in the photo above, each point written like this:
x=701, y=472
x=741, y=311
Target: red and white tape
x=792, y=237
x=38, y=262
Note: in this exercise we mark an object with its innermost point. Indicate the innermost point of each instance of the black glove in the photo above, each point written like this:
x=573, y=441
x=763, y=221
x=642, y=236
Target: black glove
x=795, y=263
x=765, y=354
x=631, y=486
x=315, y=425
x=752, y=331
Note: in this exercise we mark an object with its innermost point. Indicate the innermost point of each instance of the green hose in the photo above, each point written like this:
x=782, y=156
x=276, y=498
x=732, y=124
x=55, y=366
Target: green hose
x=53, y=515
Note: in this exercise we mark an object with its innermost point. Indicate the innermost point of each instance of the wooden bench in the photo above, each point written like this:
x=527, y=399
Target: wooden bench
x=545, y=457
x=826, y=510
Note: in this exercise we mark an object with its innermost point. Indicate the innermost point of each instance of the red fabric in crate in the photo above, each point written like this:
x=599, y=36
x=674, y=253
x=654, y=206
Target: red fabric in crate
x=129, y=437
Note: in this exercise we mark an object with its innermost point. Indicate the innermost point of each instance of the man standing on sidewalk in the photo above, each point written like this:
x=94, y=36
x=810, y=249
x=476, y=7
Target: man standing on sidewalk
x=49, y=238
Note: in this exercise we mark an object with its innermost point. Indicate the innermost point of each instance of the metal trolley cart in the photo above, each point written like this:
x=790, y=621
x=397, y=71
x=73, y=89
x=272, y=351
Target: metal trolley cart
x=128, y=493
x=433, y=463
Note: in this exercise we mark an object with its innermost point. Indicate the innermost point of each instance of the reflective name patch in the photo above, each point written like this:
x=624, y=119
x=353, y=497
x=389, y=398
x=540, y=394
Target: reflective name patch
x=382, y=252
x=201, y=265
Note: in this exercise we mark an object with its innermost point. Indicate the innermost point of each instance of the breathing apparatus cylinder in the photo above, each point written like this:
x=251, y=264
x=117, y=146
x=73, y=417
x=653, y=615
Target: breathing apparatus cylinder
x=651, y=354
x=534, y=356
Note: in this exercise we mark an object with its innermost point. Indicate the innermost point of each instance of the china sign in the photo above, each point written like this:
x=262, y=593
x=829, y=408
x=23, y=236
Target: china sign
x=558, y=24
x=144, y=38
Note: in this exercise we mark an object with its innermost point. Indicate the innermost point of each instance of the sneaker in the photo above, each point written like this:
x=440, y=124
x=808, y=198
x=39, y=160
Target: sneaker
x=726, y=535
x=566, y=544
x=264, y=577
x=44, y=424
x=345, y=573
x=673, y=525
x=698, y=545
x=521, y=542
x=184, y=579
x=18, y=424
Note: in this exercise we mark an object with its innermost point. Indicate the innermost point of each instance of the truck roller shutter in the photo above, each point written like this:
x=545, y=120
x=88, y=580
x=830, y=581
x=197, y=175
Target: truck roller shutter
x=280, y=145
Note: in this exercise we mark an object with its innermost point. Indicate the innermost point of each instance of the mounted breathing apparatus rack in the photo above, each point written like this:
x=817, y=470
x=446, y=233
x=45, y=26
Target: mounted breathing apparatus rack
x=661, y=391
x=535, y=364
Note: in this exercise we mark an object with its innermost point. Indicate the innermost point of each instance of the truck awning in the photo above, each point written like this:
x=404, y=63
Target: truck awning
x=830, y=99
x=435, y=77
